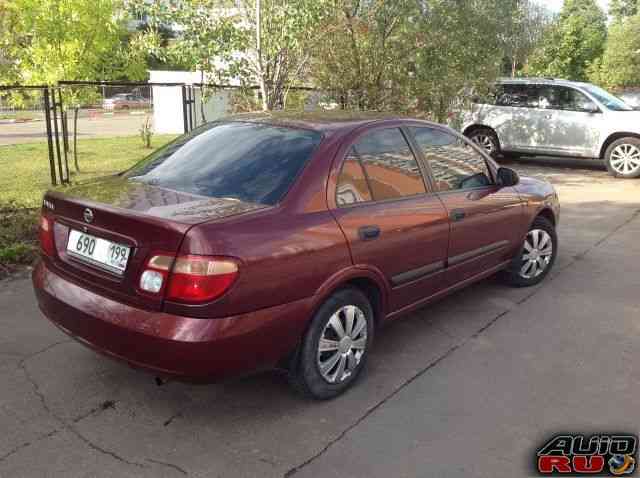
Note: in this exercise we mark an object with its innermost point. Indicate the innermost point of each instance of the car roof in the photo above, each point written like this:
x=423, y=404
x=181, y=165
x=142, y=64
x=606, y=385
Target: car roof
x=541, y=81
x=323, y=121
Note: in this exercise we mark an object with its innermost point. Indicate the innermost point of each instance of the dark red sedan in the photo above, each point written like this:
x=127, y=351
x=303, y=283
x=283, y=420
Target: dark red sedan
x=273, y=241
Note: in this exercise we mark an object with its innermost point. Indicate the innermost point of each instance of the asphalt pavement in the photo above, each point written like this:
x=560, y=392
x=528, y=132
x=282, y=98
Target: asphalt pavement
x=467, y=387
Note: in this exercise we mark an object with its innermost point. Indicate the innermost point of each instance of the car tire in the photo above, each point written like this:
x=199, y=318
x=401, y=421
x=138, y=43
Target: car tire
x=327, y=373
x=535, y=257
x=623, y=158
x=487, y=140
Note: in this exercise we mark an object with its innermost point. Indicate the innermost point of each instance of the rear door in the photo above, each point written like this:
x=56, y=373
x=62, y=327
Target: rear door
x=486, y=220
x=391, y=220
x=522, y=131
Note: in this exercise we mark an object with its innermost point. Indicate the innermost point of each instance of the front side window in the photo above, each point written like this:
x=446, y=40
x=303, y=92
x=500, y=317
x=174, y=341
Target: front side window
x=251, y=162
x=564, y=98
x=389, y=165
x=454, y=164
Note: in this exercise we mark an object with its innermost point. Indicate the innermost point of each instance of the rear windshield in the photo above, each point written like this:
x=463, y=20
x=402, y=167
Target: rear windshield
x=251, y=162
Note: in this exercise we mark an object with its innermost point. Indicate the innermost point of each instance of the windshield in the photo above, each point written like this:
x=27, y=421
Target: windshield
x=607, y=99
x=250, y=162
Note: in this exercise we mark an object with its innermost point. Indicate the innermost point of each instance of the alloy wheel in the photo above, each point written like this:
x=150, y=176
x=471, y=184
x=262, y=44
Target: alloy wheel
x=537, y=254
x=485, y=142
x=625, y=159
x=342, y=344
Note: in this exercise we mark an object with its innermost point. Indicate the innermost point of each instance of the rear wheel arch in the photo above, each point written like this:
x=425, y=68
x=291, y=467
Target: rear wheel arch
x=367, y=281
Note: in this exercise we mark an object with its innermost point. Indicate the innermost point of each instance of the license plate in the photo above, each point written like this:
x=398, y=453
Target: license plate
x=100, y=252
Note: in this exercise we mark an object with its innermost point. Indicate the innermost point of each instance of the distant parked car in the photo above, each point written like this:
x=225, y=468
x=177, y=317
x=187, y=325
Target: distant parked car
x=559, y=118
x=125, y=101
x=280, y=241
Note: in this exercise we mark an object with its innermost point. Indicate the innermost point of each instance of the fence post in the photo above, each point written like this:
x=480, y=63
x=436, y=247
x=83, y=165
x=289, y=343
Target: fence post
x=57, y=134
x=65, y=137
x=47, y=119
x=184, y=108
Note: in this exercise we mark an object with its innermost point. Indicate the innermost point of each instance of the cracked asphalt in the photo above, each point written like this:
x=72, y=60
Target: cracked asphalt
x=466, y=387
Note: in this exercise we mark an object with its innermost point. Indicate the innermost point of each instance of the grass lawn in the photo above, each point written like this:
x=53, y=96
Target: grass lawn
x=25, y=176
x=24, y=168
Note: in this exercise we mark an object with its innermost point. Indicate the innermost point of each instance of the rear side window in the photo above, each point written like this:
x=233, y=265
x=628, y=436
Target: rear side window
x=389, y=165
x=352, y=183
x=454, y=164
x=250, y=162
x=517, y=96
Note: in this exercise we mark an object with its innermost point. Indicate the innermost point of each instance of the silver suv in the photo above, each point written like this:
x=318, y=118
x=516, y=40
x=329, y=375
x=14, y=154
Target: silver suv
x=560, y=118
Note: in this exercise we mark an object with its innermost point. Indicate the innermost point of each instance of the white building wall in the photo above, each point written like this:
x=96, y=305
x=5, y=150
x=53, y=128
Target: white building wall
x=167, y=101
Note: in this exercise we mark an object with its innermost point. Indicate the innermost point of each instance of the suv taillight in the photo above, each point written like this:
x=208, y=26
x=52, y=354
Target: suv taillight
x=45, y=234
x=190, y=279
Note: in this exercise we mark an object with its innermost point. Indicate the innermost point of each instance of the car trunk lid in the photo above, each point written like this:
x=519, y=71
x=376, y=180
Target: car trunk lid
x=144, y=218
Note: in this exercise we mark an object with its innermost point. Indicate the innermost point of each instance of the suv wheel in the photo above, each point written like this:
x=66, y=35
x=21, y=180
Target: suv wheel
x=536, y=257
x=623, y=158
x=335, y=347
x=487, y=139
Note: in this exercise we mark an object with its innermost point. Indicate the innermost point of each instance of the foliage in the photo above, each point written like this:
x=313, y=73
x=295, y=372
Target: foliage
x=29, y=164
x=459, y=50
x=18, y=236
x=208, y=37
x=573, y=43
x=525, y=27
x=620, y=63
x=52, y=40
x=281, y=37
x=620, y=9
x=362, y=58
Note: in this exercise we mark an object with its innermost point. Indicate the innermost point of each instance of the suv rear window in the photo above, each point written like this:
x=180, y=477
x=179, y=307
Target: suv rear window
x=251, y=162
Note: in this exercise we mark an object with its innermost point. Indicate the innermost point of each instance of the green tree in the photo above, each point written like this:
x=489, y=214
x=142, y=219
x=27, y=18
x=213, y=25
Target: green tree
x=366, y=54
x=462, y=46
x=620, y=9
x=267, y=42
x=525, y=27
x=52, y=40
x=620, y=64
x=573, y=43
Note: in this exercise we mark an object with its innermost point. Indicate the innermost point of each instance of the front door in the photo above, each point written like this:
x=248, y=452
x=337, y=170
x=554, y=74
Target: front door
x=572, y=121
x=389, y=217
x=484, y=218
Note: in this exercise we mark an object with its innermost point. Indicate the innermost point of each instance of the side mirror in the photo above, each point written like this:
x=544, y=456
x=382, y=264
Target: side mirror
x=507, y=177
x=590, y=108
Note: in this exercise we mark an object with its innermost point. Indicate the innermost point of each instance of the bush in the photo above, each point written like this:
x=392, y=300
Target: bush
x=18, y=237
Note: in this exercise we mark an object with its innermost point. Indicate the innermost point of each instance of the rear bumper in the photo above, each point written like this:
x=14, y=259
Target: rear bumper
x=170, y=345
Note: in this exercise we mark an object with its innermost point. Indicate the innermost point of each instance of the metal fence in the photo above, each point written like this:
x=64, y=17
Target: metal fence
x=62, y=113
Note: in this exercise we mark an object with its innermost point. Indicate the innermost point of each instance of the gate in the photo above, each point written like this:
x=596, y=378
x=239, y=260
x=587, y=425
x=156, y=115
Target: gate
x=50, y=102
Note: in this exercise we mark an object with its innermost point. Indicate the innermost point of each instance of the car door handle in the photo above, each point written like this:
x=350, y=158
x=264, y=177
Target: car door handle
x=457, y=215
x=548, y=116
x=368, y=233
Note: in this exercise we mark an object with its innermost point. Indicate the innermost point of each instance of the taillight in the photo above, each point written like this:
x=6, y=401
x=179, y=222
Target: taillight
x=45, y=233
x=190, y=279
x=197, y=279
